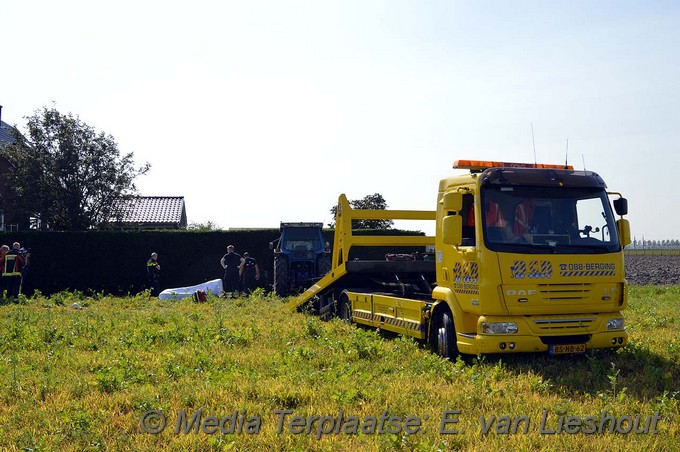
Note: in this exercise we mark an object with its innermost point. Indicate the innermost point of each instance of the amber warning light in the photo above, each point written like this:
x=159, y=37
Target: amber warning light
x=479, y=165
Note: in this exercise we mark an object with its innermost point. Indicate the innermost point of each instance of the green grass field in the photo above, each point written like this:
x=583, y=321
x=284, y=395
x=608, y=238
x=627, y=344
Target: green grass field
x=81, y=379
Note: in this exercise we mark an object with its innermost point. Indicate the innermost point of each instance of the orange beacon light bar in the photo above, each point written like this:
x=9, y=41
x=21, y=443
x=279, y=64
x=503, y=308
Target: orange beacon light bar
x=480, y=165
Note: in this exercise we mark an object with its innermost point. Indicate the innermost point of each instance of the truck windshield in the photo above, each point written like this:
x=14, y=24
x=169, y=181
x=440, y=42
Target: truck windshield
x=302, y=239
x=530, y=219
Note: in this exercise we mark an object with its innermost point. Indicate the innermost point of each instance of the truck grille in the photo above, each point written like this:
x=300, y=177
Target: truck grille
x=556, y=292
x=303, y=255
x=564, y=324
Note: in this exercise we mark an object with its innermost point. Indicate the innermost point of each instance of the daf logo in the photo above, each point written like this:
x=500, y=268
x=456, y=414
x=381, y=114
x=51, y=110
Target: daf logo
x=520, y=293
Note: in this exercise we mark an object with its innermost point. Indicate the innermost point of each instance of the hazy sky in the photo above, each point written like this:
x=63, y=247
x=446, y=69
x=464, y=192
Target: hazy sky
x=265, y=111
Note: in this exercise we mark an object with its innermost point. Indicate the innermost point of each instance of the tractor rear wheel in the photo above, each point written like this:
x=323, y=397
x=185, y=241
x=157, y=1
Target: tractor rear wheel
x=281, y=275
x=323, y=265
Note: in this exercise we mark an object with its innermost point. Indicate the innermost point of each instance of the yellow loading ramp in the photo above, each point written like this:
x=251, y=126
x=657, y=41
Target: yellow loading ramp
x=344, y=240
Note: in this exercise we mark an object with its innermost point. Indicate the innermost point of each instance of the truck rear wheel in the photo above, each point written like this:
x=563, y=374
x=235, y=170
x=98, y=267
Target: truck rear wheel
x=446, y=337
x=281, y=275
x=344, y=308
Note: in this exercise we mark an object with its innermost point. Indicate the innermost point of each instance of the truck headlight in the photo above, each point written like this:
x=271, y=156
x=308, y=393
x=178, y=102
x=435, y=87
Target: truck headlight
x=615, y=324
x=499, y=327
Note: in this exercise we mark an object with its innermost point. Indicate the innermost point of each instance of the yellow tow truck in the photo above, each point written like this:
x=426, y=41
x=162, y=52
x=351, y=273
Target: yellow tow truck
x=527, y=258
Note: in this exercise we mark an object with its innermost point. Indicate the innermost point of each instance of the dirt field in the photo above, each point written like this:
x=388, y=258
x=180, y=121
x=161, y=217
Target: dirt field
x=653, y=269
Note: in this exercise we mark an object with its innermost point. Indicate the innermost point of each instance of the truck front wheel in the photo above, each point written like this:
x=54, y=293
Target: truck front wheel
x=446, y=337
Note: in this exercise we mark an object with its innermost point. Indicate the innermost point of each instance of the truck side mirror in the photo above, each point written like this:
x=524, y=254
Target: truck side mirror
x=452, y=230
x=621, y=206
x=452, y=202
x=271, y=245
x=623, y=229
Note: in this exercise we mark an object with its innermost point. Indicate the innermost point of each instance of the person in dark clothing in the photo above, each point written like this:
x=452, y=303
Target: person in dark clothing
x=26, y=255
x=3, y=250
x=231, y=263
x=153, y=271
x=12, y=264
x=250, y=272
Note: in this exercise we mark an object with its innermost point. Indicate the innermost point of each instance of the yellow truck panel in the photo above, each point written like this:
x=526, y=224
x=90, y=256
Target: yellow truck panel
x=399, y=315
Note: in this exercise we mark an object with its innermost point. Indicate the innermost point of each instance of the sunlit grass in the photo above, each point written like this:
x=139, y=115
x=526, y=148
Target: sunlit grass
x=80, y=377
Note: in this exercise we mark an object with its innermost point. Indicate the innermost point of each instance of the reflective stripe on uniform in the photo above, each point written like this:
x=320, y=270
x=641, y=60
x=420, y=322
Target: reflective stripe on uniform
x=11, y=265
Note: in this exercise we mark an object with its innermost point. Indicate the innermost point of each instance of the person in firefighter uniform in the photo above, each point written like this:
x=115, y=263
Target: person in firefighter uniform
x=153, y=272
x=12, y=263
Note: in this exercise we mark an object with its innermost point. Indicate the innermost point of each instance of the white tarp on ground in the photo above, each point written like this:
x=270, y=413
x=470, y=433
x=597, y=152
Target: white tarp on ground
x=211, y=287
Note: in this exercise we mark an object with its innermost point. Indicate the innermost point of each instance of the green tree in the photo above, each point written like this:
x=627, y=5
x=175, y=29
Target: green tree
x=369, y=202
x=65, y=174
x=204, y=227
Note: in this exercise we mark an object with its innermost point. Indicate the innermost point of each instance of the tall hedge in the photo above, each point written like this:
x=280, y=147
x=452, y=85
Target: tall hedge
x=115, y=261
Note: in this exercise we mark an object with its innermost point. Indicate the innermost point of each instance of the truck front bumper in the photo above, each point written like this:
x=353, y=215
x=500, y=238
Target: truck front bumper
x=513, y=343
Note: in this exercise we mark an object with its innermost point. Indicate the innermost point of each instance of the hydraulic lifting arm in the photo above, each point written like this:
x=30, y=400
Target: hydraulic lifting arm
x=344, y=240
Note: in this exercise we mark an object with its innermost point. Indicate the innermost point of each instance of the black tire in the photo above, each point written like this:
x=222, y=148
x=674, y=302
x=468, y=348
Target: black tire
x=345, y=308
x=281, y=275
x=445, y=337
x=323, y=265
x=325, y=307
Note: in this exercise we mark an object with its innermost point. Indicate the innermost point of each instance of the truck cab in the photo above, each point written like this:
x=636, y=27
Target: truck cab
x=529, y=258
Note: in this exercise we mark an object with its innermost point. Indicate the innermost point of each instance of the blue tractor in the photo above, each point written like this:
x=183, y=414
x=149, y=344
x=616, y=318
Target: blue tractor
x=301, y=257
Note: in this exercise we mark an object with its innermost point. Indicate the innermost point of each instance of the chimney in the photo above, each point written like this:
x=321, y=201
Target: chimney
x=0, y=114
